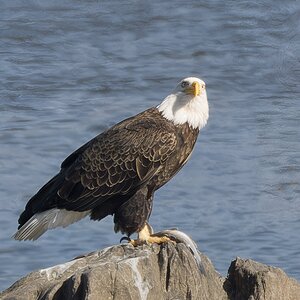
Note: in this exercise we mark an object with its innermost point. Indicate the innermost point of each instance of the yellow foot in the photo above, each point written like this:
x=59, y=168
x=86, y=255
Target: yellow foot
x=146, y=236
x=151, y=240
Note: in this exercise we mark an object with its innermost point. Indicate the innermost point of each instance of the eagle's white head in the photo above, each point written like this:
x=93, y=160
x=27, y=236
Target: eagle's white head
x=187, y=104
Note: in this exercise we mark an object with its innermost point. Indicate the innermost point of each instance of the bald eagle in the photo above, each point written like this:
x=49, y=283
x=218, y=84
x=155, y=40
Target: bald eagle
x=117, y=172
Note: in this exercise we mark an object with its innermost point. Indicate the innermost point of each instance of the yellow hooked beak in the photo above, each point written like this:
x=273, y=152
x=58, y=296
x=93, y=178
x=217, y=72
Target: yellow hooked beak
x=194, y=89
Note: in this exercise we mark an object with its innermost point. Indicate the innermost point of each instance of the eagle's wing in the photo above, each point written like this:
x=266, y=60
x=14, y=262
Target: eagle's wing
x=116, y=162
x=109, y=168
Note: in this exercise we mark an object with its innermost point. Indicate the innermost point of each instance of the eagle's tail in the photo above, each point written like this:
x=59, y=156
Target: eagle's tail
x=40, y=222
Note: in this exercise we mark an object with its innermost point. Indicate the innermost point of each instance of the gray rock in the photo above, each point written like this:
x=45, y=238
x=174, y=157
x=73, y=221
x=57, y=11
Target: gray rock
x=248, y=279
x=123, y=272
x=152, y=272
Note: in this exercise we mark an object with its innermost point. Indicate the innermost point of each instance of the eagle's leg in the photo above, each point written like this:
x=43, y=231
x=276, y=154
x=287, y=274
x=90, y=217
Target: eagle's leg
x=132, y=217
x=147, y=236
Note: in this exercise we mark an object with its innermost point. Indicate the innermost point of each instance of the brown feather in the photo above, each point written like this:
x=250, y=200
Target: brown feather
x=119, y=170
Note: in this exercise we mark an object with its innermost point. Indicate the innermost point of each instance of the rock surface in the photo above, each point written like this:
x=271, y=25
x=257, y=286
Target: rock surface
x=248, y=279
x=152, y=272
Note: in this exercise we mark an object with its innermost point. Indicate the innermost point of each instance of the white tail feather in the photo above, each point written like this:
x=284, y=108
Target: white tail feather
x=39, y=223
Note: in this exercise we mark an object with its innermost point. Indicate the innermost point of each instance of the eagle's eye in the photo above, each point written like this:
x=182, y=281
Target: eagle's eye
x=184, y=84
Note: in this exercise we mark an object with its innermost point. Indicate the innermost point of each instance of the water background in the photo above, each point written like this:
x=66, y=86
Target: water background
x=70, y=69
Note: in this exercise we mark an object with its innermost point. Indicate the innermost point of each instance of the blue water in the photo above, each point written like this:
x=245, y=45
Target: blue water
x=70, y=69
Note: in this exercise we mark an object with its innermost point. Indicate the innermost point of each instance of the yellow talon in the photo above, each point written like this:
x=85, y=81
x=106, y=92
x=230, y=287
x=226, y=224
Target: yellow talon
x=158, y=239
x=146, y=236
x=151, y=240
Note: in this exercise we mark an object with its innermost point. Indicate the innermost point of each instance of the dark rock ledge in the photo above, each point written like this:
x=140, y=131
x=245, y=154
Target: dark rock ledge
x=153, y=272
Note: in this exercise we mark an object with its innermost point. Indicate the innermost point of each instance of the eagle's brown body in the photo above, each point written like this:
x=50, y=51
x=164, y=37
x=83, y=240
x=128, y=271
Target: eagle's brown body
x=117, y=172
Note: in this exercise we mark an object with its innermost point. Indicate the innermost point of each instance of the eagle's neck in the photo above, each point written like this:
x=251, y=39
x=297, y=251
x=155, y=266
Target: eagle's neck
x=181, y=108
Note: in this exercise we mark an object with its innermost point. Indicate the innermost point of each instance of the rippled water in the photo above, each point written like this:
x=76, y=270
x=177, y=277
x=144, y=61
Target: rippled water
x=70, y=69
